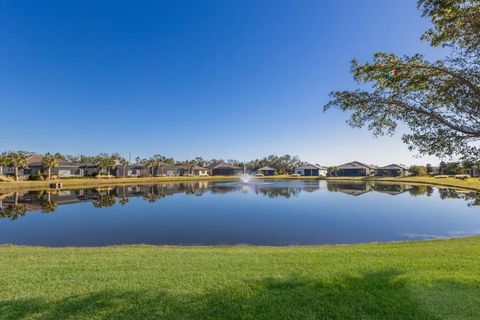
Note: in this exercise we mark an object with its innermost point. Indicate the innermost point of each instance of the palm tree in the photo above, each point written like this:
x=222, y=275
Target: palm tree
x=150, y=163
x=106, y=162
x=49, y=162
x=3, y=161
x=124, y=163
x=18, y=160
x=111, y=164
x=159, y=160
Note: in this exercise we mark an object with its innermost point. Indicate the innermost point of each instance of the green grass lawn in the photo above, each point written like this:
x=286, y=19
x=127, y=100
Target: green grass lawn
x=410, y=280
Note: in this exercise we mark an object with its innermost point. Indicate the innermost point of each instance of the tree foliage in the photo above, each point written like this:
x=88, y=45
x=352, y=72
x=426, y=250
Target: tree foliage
x=418, y=171
x=283, y=164
x=439, y=101
x=49, y=162
x=456, y=23
x=105, y=162
x=17, y=160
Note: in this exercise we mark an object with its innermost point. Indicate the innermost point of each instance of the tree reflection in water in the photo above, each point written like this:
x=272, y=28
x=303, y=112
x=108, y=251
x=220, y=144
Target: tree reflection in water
x=49, y=206
x=472, y=197
x=104, y=201
x=16, y=204
x=13, y=212
x=420, y=190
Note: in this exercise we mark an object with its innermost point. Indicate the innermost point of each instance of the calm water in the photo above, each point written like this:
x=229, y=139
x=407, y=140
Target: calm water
x=216, y=213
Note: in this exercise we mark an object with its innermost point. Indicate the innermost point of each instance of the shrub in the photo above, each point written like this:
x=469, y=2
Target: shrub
x=104, y=176
x=36, y=177
x=418, y=171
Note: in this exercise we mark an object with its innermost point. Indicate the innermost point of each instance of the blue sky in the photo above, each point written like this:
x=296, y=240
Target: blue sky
x=217, y=79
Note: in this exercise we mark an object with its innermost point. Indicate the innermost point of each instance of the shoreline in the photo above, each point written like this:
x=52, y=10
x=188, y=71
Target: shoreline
x=468, y=184
x=472, y=184
x=239, y=246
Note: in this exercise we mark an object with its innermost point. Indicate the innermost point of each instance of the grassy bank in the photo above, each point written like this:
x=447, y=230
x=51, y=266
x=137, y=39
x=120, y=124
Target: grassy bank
x=92, y=182
x=470, y=183
x=411, y=280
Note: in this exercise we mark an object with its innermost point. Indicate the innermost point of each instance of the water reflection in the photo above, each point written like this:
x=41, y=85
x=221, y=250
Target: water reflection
x=16, y=204
x=262, y=212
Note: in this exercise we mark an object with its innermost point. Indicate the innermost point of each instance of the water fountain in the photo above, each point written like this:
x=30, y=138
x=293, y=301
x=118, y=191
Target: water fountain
x=245, y=178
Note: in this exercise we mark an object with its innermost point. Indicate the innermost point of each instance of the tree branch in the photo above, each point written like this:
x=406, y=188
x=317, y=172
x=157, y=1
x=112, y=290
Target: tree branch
x=434, y=115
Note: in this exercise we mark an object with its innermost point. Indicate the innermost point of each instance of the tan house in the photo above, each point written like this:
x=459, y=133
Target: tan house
x=199, y=171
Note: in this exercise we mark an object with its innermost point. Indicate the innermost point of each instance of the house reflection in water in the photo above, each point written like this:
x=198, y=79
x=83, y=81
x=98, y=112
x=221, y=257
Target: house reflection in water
x=353, y=188
x=106, y=196
x=16, y=204
x=392, y=189
x=357, y=188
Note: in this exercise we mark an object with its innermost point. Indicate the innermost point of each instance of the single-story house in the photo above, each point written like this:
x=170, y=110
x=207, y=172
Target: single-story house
x=392, y=170
x=131, y=170
x=311, y=170
x=65, y=169
x=267, y=171
x=31, y=159
x=226, y=169
x=199, y=171
x=354, y=169
x=169, y=170
x=89, y=169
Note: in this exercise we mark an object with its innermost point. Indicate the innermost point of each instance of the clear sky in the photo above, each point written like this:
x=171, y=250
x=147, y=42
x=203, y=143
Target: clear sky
x=217, y=79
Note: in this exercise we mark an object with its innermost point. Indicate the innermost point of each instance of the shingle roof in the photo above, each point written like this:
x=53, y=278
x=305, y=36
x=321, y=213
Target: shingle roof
x=394, y=166
x=311, y=166
x=354, y=165
x=61, y=163
x=170, y=167
x=266, y=169
x=34, y=158
x=132, y=166
x=224, y=165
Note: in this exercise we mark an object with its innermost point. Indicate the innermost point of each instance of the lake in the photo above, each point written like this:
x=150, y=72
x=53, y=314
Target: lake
x=298, y=212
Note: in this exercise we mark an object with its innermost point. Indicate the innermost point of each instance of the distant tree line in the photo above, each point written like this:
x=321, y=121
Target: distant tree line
x=283, y=164
x=108, y=162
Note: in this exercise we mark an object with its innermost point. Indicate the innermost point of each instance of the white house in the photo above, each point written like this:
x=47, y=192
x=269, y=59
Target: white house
x=311, y=170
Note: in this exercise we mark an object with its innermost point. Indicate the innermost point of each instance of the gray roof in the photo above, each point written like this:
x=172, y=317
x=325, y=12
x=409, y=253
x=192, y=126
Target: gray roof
x=311, y=166
x=132, y=166
x=266, y=169
x=394, y=166
x=197, y=167
x=171, y=167
x=224, y=165
x=61, y=164
x=355, y=165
